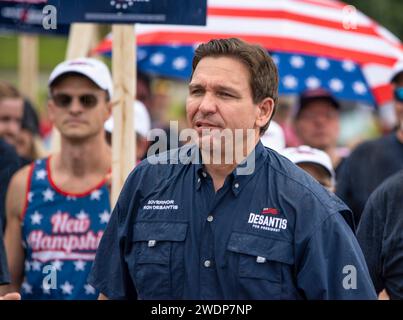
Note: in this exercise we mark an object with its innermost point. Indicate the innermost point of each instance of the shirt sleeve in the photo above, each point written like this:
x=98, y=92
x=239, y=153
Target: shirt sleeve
x=370, y=235
x=110, y=273
x=332, y=265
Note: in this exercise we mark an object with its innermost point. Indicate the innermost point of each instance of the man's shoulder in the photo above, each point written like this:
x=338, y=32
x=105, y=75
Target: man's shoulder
x=304, y=198
x=370, y=146
x=288, y=176
x=20, y=178
x=392, y=187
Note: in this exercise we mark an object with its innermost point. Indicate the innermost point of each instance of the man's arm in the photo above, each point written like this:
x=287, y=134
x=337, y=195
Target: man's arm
x=11, y=296
x=15, y=203
x=370, y=234
x=333, y=266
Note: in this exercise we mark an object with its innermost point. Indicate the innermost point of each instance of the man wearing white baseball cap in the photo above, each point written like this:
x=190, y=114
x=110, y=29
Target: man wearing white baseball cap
x=318, y=164
x=63, y=199
x=374, y=161
x=315, y=162
x=142, y=126
x=93, y=69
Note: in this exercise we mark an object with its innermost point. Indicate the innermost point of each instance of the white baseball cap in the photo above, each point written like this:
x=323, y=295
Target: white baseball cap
x=274, y=137
x=397, y=69
x=307, y=154
x=142, y=120
x=93, y=69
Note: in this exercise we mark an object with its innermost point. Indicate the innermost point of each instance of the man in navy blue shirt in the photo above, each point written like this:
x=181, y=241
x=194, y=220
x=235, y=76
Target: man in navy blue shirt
x=187, y=226
x=380, y=236
x=373, y=161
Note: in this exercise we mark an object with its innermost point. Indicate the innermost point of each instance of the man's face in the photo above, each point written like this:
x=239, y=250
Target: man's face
x=11, y=112
x=399, y=104
x=318, y=124
x=220, y=98
x=87, y=111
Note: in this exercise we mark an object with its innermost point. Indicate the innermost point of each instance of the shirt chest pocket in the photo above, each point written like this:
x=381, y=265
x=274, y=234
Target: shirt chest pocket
x=264, y=265
x=159, y=259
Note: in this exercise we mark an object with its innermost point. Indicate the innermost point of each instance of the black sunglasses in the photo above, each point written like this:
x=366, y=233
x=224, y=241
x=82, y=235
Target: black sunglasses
x=399, y=94
x=63, y=100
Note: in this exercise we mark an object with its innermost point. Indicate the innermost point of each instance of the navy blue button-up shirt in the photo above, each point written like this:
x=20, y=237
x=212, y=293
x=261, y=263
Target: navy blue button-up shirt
x=272, y=234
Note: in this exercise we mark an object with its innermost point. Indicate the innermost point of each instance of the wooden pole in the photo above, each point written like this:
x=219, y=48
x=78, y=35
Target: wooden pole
x=80, y=40
x=79, y=44
x=124, y=71
x=28, y=66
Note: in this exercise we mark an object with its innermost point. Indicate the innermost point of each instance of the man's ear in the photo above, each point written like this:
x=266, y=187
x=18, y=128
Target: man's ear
x=108, y=109
x=51, y=110
x=264, y=112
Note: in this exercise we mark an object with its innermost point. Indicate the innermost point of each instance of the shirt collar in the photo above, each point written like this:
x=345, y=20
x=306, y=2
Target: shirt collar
x=241, y=174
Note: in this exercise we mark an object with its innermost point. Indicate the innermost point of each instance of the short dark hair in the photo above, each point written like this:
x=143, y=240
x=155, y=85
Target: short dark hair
x=318, y=94
x=262, y=69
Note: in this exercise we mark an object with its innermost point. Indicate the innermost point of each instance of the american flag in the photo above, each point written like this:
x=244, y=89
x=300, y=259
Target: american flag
x=315, y=43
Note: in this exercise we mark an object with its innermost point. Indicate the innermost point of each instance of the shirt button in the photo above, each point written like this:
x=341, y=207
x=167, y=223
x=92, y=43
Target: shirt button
x=210, y=218
x=207, y=263
x=236, y=185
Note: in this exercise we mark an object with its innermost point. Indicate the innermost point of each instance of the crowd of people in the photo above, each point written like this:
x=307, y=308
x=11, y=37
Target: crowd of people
x=194, y=229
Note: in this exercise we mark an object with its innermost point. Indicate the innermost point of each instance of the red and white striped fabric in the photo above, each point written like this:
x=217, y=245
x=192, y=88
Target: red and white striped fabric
x=327, y=28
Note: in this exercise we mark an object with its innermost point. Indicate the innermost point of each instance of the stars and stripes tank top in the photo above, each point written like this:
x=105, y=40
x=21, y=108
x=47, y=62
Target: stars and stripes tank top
x=60, y=232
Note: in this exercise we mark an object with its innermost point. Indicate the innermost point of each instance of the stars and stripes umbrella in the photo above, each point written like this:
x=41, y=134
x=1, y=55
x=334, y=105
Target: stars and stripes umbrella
x=315, y=43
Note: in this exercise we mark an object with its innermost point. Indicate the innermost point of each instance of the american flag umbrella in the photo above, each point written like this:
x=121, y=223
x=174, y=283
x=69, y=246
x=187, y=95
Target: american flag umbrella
x=315, y=43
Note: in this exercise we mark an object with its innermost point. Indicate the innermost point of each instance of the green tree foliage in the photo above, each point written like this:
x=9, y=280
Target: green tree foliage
x=388, y=13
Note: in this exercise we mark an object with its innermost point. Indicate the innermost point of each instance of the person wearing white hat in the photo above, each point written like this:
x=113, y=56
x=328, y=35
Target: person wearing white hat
x=274, y=137
x=315, y=162
x=59, y=206
x=142, y=126
x=374, y=161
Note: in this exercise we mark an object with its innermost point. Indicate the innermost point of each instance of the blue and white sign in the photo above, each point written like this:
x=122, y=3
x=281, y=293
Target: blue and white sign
x=189, y=12
x=27, y=16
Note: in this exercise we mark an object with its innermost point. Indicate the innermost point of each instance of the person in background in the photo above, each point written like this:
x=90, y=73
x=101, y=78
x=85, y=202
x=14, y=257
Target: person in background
x=156, y=104
x=373, y=161
x=317, y=123
x=58, y=207
x=315, y=162
x=10, y=162
x=142, y=125
x=29, y=144
x=11, y=112
x=380, y=237
x=274, y=137
x=318, y=164
x=143, y=90
x=284, y=116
